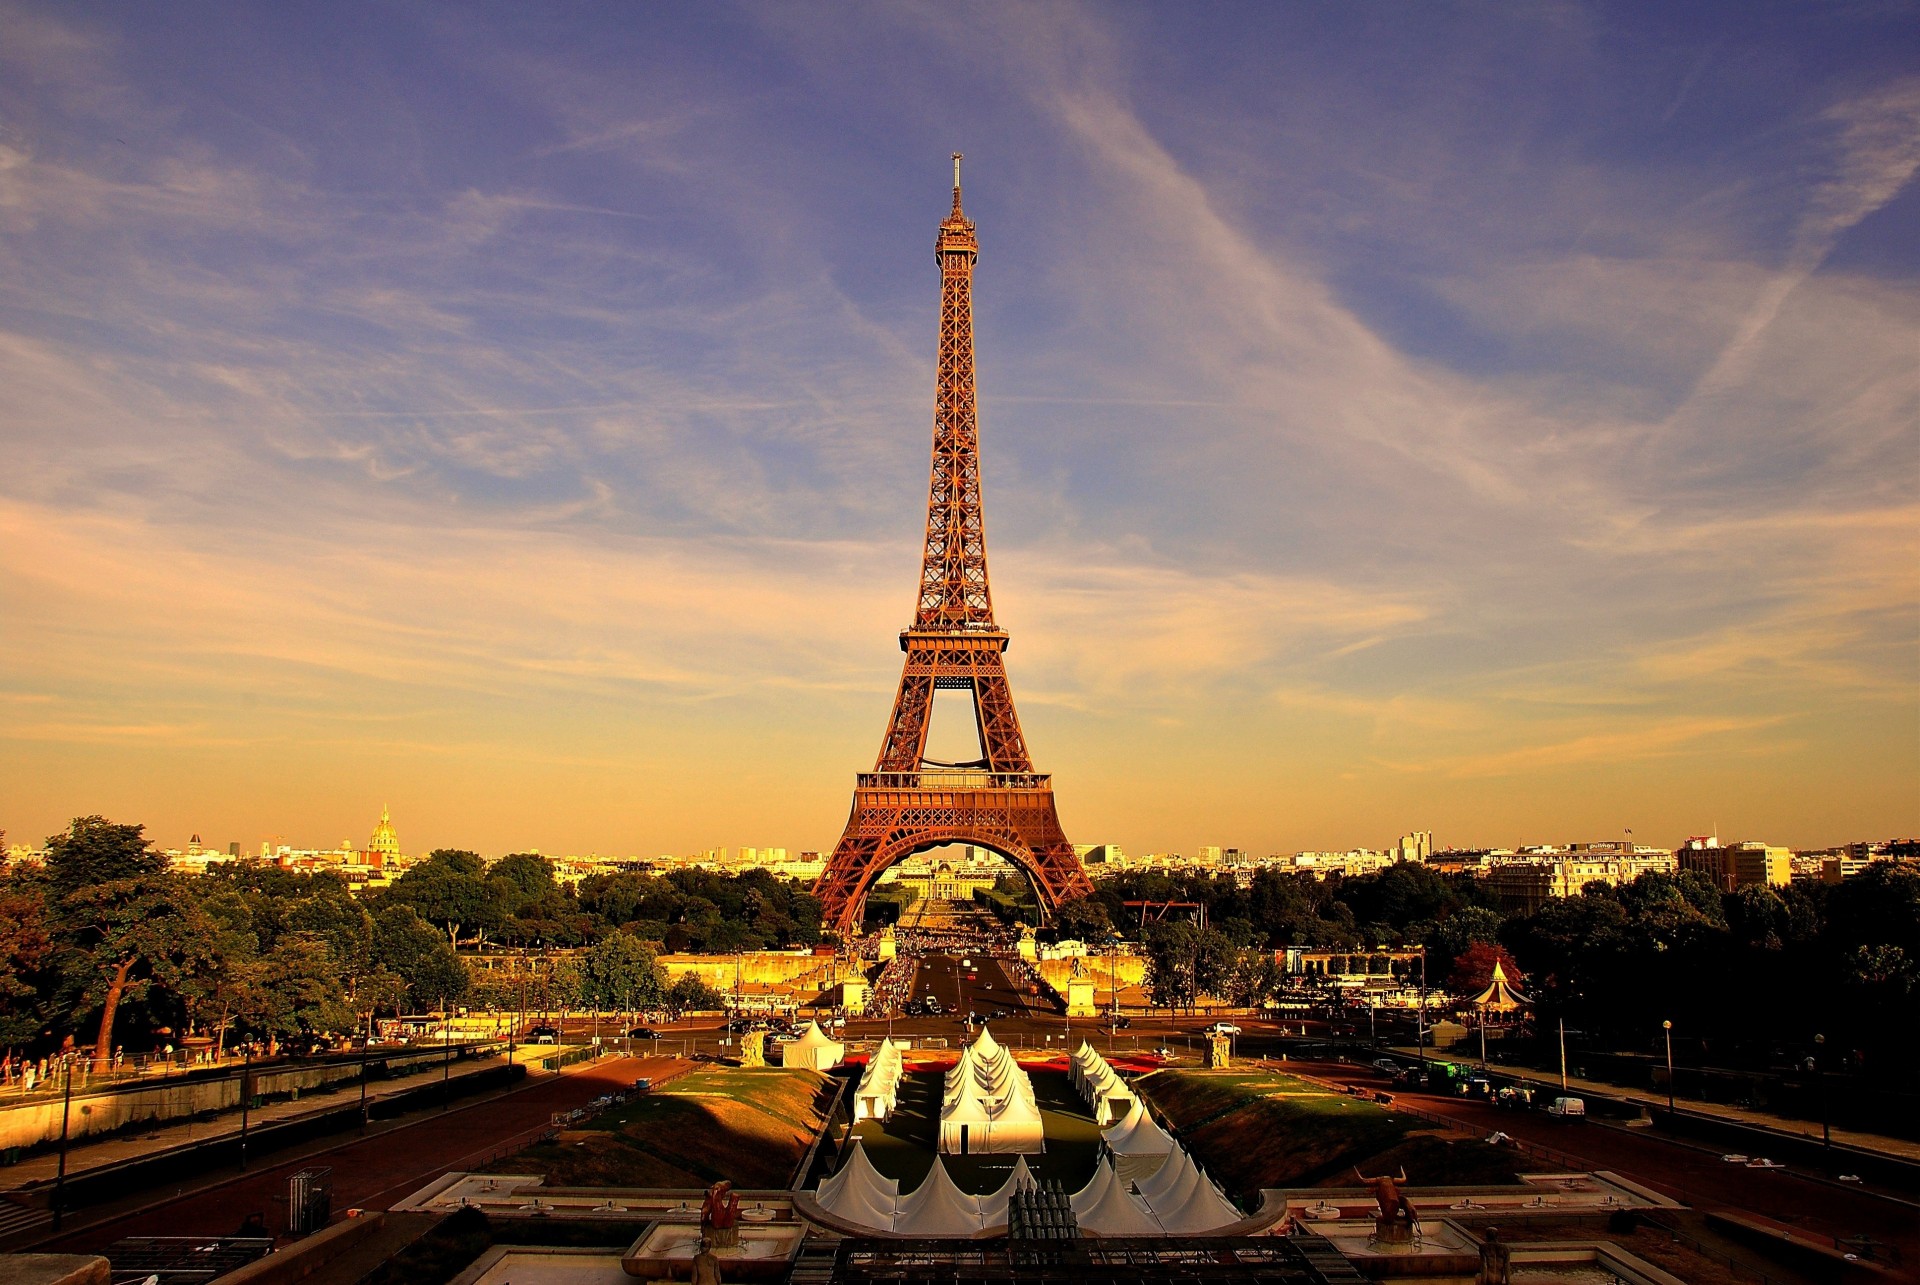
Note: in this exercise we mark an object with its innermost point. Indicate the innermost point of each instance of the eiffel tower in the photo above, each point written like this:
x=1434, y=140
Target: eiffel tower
x=910, y=803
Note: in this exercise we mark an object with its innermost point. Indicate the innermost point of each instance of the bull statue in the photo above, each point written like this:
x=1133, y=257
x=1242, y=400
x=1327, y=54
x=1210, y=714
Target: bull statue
x=1397, y=1221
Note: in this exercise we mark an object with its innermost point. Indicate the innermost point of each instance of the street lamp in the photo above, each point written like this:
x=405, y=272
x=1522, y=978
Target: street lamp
x=1820, y=1083
x=1668, y=1028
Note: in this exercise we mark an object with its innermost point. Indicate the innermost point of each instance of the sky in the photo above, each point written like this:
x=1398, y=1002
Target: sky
x=1496, y=420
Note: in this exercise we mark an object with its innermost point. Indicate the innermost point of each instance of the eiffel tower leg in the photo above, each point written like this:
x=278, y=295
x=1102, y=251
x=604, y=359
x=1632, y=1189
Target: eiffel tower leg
x=906, y=738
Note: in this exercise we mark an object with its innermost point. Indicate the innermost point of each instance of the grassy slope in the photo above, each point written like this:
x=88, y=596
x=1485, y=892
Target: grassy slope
x=750, y=1126
x=1256, y=1129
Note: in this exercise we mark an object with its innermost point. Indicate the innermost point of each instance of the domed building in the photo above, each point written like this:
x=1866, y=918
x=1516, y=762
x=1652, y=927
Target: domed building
x=383, y=849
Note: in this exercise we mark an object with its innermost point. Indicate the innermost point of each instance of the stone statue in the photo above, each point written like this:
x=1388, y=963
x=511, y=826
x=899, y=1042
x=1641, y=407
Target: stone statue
x=1496, y=1260
x=706, y=1265
x=720, y=1216
x=1396, y=1221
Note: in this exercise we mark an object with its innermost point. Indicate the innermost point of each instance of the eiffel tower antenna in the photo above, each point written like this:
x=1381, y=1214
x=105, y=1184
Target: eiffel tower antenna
x=909, y=803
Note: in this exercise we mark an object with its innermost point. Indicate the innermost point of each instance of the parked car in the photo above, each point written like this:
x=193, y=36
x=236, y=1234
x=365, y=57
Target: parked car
x=543, y=1035
x=1567, y=1107
x=643, y=1033
x=1223, y=1028
x=1386, y=1064
x=642, y=1084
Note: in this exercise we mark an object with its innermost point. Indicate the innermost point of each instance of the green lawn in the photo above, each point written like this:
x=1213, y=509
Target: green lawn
x=1254, y=1129
x=751, y=1126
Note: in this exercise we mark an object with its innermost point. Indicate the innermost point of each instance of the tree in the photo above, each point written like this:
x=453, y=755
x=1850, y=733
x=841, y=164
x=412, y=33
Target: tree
x=1185, y=962
x=619, y=971
x=448, y=889
x=120, y=935
x=1082, y=919
x=1255, y=977
x=410, y=948
x=95, y=851
x=1466, y=927
x=1473, y=970
x=297, y=996
x=26, y=949
x=690, y=994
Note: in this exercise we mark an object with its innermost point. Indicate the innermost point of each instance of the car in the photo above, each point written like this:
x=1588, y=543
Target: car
x=1386, y=1064
x=1223, y=1028
x=1570, y=1107
x=643, y=1033
x=643, y=1084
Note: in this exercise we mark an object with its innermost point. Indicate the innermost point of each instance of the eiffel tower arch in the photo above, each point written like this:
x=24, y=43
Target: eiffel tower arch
x=910, y=803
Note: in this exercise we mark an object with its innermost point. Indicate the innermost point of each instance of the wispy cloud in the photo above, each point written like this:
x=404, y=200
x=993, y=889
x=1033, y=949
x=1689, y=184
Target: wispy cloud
x=1355, y=416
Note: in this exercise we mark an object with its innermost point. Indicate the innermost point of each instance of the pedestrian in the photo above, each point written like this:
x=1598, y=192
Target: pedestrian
x=119, y=1054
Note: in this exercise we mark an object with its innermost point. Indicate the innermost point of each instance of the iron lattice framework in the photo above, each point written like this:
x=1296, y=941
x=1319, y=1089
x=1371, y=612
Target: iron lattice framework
x=909, y=803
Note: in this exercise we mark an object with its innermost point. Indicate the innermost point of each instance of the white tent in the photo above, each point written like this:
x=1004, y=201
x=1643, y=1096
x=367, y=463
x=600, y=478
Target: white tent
x=1096, y=1189
x=987, y=1103
x=938, y=1208
x=1096, y=1081
x=994, y=1204
x=813, y=1050
x=859, y=1193
x=1106, y=1208
x=1199, y=1208
x=878, y=1092
x=1168, y=1185
x=1138, y=1144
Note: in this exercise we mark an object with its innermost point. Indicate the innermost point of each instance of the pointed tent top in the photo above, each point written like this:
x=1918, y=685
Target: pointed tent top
x=1499, y=994
x=1019, y=1180
x=1096, y=1189
x=986, y=1046
x=937, y=1207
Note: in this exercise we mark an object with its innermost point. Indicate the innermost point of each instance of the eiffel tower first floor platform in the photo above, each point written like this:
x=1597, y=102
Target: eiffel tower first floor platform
x=896, y=814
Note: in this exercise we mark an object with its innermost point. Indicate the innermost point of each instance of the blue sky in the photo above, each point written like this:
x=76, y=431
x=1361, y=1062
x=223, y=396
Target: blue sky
x=1493, y=420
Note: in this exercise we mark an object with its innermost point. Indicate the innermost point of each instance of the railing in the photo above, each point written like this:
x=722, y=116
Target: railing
x=954, y=779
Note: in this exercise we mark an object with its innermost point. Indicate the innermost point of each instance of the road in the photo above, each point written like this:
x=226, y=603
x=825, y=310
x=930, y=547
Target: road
x=371, y=1172
x=1695, y=1176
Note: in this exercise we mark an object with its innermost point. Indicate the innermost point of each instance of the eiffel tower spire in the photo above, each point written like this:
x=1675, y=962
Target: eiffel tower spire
x=910, y=803
x=953, y=573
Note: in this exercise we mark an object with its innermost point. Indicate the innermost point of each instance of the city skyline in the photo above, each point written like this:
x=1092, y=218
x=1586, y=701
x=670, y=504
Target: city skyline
x=1500, y=422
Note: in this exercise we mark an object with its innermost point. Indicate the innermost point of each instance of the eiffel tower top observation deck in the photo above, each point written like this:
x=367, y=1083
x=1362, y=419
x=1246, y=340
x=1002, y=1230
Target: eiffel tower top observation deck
x=910, y=803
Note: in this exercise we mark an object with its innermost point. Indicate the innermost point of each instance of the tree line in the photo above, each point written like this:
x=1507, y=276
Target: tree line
x=1749, y=977
x=103, y=945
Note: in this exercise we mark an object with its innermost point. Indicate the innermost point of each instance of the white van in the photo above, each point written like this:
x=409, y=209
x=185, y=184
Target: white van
x=1567, y=1107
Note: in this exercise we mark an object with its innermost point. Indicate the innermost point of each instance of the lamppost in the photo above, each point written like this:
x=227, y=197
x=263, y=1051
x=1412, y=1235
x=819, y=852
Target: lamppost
x=246, y=1094
x=60, y=1178
x=1668, y=1028
x=446, y=1056
x=1421, y=1021
x=1820, y=1083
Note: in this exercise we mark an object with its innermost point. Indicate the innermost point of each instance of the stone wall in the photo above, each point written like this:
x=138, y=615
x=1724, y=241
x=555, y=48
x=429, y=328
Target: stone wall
x=34, y=1122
